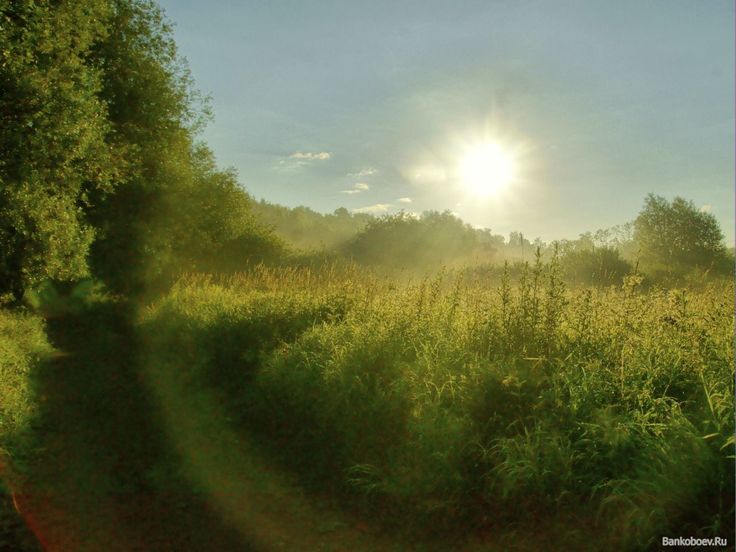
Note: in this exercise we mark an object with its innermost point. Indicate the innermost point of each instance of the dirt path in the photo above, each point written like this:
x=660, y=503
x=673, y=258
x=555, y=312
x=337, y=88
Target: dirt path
x=101, y=476
x=127, y=461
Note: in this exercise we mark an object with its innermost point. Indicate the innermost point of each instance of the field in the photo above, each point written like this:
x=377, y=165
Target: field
x=449, y=407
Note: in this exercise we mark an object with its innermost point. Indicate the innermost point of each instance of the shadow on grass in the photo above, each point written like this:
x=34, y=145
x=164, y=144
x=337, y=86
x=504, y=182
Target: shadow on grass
x=100, y=475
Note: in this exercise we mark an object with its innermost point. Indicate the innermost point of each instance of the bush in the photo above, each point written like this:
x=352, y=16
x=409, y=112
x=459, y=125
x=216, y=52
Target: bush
x=23, y=344
x=602, y=266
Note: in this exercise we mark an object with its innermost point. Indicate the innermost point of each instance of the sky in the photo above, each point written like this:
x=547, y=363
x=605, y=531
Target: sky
x=374, y=105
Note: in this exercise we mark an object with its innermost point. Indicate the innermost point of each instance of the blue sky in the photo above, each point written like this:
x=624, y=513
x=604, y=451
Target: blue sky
x=369, y=105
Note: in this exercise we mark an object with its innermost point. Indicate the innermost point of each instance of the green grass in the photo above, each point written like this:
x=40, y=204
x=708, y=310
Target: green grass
x=447, y=407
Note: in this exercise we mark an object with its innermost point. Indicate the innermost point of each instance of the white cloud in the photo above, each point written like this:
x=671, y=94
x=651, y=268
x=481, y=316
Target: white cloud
x=369, y=171
x=706, y=208
x=311, y=156
x=301, y=158
x=357, y=188
x=404, y=200
x=373, y=209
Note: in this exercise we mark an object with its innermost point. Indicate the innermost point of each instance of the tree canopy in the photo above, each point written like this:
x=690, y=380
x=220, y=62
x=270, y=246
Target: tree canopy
x=676, y=237
x=100, y=170
x=55, y=147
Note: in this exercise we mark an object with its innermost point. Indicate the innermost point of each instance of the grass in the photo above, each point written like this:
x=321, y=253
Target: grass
x=452, y=412
x=448, y=407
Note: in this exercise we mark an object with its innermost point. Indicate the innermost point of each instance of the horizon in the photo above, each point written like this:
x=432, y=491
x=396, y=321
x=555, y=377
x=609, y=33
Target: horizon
x=377, y=108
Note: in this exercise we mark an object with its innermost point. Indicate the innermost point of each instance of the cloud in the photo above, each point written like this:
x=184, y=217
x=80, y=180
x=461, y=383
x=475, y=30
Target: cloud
x=357, y=188
x=311, y=156
x=706, y=208
x=404, y=200
x=369, y=171
x=373, y=209
x=301, y=158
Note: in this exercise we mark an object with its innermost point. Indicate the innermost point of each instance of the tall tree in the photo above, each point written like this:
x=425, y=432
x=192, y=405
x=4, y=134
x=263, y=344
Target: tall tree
x=54, y=149
x=174, y=211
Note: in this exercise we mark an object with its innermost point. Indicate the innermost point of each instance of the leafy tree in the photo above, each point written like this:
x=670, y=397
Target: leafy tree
x=99, y=165
x=675, y=238
x=174, y=210
x=54, y=148
x=148, y=92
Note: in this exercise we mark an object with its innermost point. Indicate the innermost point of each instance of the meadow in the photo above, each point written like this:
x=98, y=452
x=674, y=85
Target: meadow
x=450, y=406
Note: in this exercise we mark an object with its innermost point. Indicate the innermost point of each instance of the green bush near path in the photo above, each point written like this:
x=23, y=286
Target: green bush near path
x=23, y=344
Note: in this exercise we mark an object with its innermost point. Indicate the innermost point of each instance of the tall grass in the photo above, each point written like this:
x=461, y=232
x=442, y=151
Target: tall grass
x=447, y=404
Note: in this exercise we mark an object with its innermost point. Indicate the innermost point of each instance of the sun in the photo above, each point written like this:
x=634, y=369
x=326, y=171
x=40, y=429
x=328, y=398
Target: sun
x=486, y=169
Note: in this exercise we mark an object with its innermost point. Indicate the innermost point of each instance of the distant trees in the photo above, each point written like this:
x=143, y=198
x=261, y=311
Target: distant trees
x=419, y=242
x=309, y=230
x=675, y=238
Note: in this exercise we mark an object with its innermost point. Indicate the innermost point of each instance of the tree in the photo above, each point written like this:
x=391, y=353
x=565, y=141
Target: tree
x=676, y=238
x=55, y=152
x=173, y=210
x=99, y=166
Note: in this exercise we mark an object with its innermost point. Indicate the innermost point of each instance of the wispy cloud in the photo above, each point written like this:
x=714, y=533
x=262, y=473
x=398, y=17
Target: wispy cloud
x=359, y=187
x=369, y=171
x=311, y=156
x=301, y=158
x=404, y=200
x=374, y=209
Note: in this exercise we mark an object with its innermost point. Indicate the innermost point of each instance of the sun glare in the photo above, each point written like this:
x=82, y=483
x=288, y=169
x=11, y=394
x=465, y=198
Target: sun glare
x=486, y=169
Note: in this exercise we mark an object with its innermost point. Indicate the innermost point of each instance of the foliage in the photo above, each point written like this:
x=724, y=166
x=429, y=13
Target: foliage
x=419, y=242
x=601, y=266
x=175, y=211
x=98, y=154
x=675, y=238
x=54, y=139
x=23, y=345
x=308, y=230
